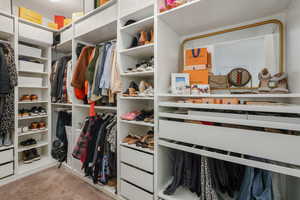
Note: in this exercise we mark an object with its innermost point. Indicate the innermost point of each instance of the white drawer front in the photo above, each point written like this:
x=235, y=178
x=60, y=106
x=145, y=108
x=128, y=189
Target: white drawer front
x=6, y=156
x=218, y=114
x=131, y=6
x=35, y=34
x=289, y=120
x=66, y=35
x=31, y=66
x=138, y=159
x=131, y=192
x=25, y=50
x=6, y=170
x=137, y=177
x=98, y=20
x=7, y=24
x=271, y=146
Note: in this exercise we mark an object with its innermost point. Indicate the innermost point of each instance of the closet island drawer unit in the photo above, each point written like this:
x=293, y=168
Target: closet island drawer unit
x=7, y=24
x=6, y=156
x=134, y=193
x=276, y=147
x=66, y=35
x=136, y=158
x=98, y=20
x=6, y=170
x=137, y=177
x=34, y=34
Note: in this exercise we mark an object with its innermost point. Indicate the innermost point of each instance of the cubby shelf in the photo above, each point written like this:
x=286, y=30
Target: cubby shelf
x=96, y=107
x=185, y=19
x=133, y=146
x=33, y=73
x=2, y=148
x=39, y=59
x=289, y=95
x=38, y=145
x=32, y=102
x=64, y=47
x=139, y=123
x=132, y=29
x=143, y=51
x=33, y=132
x=138, y=74
x=32, y=117
x=136, y=98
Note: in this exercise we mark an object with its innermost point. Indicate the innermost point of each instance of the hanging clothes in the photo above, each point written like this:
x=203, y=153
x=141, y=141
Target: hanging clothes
x=7, y=95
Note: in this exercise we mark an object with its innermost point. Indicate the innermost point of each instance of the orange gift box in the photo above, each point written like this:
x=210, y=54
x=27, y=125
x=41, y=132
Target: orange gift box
x=198, y=76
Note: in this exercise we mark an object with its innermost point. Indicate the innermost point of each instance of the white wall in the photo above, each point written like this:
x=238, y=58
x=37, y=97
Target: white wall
x=293, y=45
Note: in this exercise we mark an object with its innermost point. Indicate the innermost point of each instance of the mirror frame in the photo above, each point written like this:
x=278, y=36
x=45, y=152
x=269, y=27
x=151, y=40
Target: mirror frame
x=262, y=23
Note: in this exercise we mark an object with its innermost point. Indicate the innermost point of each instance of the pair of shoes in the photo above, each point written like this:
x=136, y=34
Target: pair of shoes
x=279, y=81
x=35, y=111
x=144, y=66
x=170, y=4
x=30, y=156
x=142, y=38
x=145, y=115
x=132, y=90
x=28, y=98
x=34, y=126
x=146, y=141
x=144, y=89
x=28, y=142
x=130, y=116
x=5, y=139
x=131, y=139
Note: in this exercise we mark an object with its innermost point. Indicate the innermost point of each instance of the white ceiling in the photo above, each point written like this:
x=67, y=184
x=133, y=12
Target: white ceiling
x=49, y=9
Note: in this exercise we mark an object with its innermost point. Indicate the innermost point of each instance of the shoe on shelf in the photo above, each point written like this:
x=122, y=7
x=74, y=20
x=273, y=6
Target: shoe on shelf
x=134, y=42
x=24, y=129
x=34, y=111
x=143, y=38
x=25, y=98
x=131, y=21
x=28, y=157
x=42, y=125
x=130, y=115
x=33, y=126
x=28, y=142
x=36, y=155
x=23, y=113
x=34, y=97
x=7, y=139
x=150, y=37
x=42, y=111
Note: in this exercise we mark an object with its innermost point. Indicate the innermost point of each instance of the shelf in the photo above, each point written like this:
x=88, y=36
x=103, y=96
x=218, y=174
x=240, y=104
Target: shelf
x=203, y=15
x=61, y=104
x=133, y=146
x=226, y=157
x=138, y=74
x=32, y=102
x=44, y=161
x=33, y=132
x=227, y=120
x=38, y=59
x=180, y=194
x=139, y=123
x=32, y=87
x=32, y=117
x=133, y=29
x=259, y=108
x=34, y=73
x=96, y=107
x=65, y=47
x=143, y=51
x=24, y=21
x=136, y=98
x=38, y=145
x=290, y=95
x=6, y=147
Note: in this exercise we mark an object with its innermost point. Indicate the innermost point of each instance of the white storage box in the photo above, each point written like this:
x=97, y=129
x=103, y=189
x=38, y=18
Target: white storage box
x=30, y=81
x=6, y=170
x=6, y=24
x=33, y=34
x=6, y=156
x=30, y=66
x=134, y=193
x=30, y=51
x=5, y=6
x=217, y=114
x=289, y=120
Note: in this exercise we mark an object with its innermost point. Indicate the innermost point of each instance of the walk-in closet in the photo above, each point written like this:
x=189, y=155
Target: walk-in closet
x=149, y=99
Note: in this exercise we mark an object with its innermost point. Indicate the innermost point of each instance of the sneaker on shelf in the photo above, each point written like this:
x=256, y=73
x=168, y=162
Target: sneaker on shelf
x=42, y=111
x=7, y=140
x=25, y=98
x=36, y=156
x=28, y=142
x=33, y=126
x=28, y=157
x=34, y=97
x=34, y=111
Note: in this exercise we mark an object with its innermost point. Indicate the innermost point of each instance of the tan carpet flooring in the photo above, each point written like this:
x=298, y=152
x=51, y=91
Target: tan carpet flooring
x=51, y=184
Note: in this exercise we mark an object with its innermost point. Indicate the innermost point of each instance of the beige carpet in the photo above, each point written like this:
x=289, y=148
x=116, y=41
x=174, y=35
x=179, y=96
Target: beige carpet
x=51, y=184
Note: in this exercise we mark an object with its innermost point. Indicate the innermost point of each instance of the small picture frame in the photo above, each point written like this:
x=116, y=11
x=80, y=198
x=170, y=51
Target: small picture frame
x=181, y=83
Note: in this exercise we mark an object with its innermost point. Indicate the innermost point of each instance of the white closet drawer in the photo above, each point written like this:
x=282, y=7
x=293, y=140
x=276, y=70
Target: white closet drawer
x=6, y=156
x=30, y=66
x=289, y=120
x=6, y=170
x=7, y=24
x=131, y=192
x=136, y=158
x=137, y=177
x=277, y=147
x=131, y=6
x=96, y=21
x=218, y=114
x=25, y=50
x=66, y=35
x=35, y=34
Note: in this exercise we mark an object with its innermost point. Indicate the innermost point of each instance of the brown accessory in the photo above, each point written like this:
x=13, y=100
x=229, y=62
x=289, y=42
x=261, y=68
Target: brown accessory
x=239, y=77
x=218, y=81
x=25, y=98
x=34, y=97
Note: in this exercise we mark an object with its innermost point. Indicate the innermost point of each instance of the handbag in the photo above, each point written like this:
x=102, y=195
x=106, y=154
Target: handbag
x=218, y=81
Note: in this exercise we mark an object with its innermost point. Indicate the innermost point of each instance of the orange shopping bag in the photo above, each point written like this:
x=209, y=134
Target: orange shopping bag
x=196, y=57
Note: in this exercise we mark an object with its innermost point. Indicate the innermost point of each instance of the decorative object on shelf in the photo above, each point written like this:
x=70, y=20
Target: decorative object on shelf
x=281, y=83
x=198, y=89
x=264, y=79
x=218, y=81
x=239, y=77
x=180, y=83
